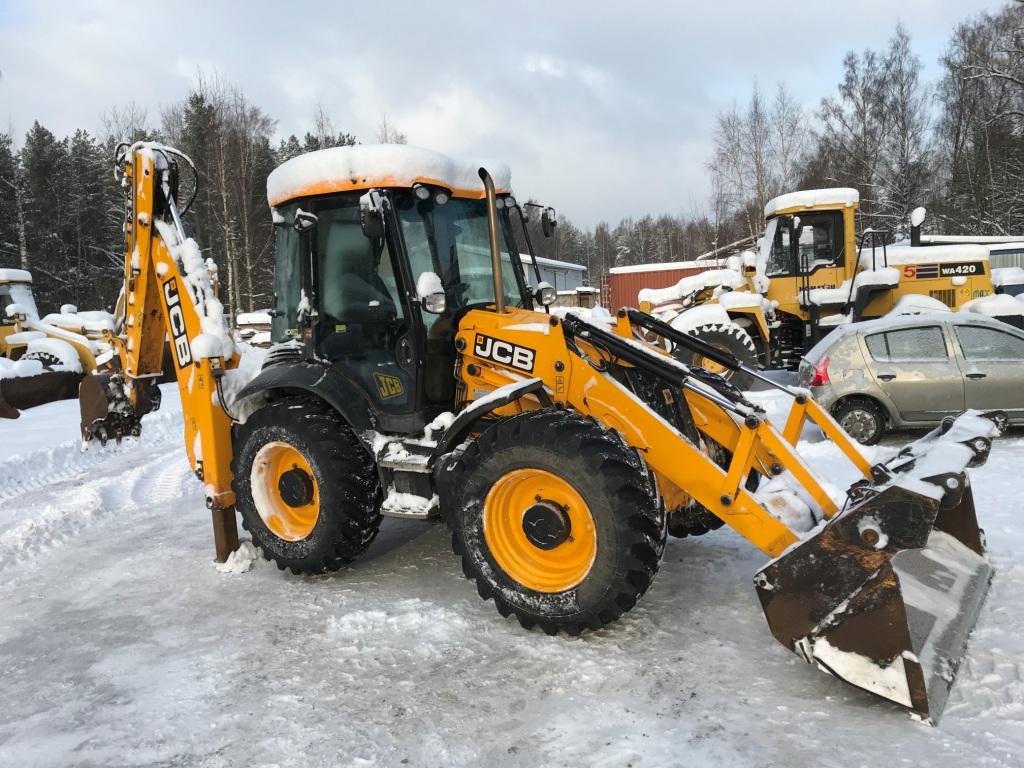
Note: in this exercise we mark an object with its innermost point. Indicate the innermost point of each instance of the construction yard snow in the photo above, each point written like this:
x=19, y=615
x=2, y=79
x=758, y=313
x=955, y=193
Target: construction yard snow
x=122, y=644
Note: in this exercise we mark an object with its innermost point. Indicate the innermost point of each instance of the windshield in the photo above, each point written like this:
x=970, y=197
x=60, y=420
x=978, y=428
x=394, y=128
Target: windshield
x=775, y=258
x=452, y=241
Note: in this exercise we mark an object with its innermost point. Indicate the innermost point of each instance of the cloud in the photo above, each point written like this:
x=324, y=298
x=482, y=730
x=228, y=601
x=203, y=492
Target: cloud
x=602, y=109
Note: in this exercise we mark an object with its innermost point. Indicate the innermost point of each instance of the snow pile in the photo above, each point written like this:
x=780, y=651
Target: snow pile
x=398, y=503
x=917, y=304
x=94, y=321
x=996, y=305
x=24, y=337
x=885, y=276
x=699, y=316
x=15, y=275
x=254, y=327
x=1006, y=276
x=439, y=425
x=810, y=197
x=712, y=278
x=427, y=284
x=781, y=497
x=257, y=317
x=596, y=315
x=213, y=340
x=250, y=363
x=67, y=355
x=22, y=300
x=242, y=559
x=383, y=165
x=13, y=369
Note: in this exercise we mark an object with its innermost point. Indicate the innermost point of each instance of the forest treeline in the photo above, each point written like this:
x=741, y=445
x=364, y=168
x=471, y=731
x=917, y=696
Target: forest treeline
x=955, y=145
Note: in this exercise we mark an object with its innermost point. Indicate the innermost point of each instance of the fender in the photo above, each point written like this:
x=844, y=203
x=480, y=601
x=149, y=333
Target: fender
x=320, y=380
x=442, y=458
x=501, y=397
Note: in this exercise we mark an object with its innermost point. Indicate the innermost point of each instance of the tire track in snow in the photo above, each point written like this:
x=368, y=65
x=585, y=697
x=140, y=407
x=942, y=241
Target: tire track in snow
x=161, y=474
x=43, y=468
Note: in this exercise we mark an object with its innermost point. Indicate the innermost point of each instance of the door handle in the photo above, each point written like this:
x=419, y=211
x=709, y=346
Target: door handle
x=975, y=375
x=887, y=376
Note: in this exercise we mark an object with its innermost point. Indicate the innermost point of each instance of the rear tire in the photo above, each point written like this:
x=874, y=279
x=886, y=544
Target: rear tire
x=317, y=486
x=861, y=419
x=506, y=484
x=729, y=338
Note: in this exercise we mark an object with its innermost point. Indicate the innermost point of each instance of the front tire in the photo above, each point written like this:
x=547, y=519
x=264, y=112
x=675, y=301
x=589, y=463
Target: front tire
x=557, y=520
x=862, y=419
x=306, y=488
x=729, y=338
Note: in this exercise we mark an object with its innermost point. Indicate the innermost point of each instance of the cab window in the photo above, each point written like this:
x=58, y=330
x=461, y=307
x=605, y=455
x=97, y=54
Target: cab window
x=819, y=244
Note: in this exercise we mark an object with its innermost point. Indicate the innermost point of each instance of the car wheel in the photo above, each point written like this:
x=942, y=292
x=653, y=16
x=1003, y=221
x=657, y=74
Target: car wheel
x=862, y=420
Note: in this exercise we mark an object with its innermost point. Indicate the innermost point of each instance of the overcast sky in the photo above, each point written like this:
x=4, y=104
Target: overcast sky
x=601, y=109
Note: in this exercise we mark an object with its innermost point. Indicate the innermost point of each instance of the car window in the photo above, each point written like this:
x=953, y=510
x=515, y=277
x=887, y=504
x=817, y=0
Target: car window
x=980, y=343
x=908, y=344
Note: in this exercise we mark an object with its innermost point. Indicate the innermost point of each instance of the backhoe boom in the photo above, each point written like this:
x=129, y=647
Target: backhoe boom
x=169, y=291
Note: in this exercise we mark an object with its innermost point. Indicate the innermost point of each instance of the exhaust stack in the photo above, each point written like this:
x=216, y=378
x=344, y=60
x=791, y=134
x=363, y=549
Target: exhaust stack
x=492, y=228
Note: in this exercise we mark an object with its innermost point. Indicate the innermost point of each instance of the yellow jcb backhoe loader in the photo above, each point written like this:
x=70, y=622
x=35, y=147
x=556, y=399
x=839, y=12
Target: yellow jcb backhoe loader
x=415, y=374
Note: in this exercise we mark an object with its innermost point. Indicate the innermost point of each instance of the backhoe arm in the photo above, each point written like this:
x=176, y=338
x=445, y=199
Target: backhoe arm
x=169, y=291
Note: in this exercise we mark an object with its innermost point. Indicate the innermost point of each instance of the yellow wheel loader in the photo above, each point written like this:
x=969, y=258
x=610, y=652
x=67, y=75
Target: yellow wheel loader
x=810, y=274
x=40, y=360
x=414, y=374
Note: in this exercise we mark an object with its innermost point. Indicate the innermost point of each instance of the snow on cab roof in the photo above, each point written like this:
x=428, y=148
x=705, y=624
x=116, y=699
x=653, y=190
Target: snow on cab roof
x=340, y=169
x=810, y=197
x=901, y=253
x=15, y=276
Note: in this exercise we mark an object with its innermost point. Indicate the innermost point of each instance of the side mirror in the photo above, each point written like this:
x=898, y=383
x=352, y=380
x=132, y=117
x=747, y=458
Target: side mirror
x=431, y=293
x=304, y=221
x=371, y=215
x=545, y=294
x=548, y=221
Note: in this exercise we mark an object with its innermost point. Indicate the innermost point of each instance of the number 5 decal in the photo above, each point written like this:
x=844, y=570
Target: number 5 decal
x=910, y=270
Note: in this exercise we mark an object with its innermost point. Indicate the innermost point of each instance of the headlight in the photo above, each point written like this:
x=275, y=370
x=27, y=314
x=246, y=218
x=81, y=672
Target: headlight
x=545, y=294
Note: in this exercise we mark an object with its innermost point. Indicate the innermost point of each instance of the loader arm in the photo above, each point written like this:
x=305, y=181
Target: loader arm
x=881, y=589
x=170, y=291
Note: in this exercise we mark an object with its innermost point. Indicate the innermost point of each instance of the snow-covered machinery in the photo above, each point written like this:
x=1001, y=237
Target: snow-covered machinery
x=811, y=274
x=42, y=360
x=559, y=449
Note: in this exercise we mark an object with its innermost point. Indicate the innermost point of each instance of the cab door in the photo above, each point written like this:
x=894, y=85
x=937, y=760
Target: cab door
x=807, y=252
x=364, y=326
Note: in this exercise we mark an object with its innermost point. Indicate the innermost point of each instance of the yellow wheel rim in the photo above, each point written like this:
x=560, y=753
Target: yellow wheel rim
x=285, y=490
x=710, y=365
x=539, y=530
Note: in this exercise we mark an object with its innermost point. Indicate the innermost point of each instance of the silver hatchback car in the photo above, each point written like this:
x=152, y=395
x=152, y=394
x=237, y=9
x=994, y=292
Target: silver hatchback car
x=913, y=370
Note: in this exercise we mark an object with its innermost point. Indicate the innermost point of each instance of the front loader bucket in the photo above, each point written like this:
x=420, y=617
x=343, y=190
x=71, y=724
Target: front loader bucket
x=886, y=593
x=23, y=392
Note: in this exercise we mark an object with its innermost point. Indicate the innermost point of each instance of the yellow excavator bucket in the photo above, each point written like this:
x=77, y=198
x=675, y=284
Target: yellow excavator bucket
x=885, y=594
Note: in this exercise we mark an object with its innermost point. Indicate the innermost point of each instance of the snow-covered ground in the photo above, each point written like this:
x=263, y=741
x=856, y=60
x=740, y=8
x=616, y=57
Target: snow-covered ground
x=121, y=644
